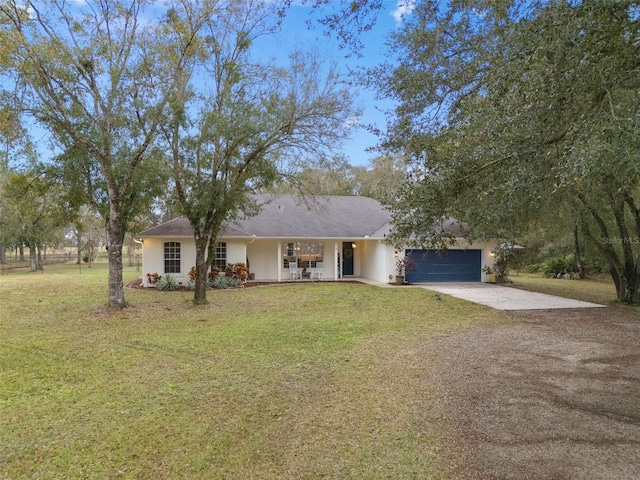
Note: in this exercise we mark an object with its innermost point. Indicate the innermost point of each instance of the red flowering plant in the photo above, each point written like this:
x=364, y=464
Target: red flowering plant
x=404, y=265
x=238, y=271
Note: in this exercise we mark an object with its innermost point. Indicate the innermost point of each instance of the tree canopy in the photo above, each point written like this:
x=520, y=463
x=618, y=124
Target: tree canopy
x=235, y=122
x=31, y=214
x=514, y=112
x=97, y=76
x=119, y=84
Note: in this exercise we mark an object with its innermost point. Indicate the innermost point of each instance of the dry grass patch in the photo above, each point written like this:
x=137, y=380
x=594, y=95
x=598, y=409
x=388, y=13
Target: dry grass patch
x=598, y=289
x=301, y=381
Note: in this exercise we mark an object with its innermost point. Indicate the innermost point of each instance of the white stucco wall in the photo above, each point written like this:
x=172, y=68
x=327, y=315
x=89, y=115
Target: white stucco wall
x=236, y=251
x=263, y=259
x=153, y=256
x=373, y=259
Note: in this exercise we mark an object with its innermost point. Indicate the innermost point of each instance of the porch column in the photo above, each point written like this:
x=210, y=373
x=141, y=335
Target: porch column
x=336, y=257
x=279, y=262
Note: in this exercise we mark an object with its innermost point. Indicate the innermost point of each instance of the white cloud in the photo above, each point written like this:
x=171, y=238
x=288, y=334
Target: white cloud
x=352, y=122
x=403, y=8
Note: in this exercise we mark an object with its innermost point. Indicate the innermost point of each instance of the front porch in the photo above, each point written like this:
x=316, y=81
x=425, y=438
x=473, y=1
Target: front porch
x=315, y=259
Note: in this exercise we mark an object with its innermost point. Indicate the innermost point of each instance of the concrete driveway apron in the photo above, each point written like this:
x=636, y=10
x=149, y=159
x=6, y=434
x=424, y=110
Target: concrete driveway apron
x=505, y=298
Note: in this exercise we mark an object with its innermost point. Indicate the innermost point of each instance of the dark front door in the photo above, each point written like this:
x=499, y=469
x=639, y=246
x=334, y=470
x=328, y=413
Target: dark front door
x=347, y=258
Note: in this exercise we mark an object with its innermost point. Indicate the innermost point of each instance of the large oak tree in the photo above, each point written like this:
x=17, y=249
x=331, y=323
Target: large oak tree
x=516, y=112
x=99, y=76
x=237, y=121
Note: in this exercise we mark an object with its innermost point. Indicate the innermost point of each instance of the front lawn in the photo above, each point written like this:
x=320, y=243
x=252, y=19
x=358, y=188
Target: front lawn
x=301, y=381
x=599, y=289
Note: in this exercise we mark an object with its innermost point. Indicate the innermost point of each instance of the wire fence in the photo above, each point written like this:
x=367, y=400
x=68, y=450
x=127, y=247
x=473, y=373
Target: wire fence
x=12, y=263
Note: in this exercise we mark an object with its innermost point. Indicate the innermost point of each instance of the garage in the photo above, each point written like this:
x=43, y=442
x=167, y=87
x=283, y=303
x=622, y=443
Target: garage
x=448, y=266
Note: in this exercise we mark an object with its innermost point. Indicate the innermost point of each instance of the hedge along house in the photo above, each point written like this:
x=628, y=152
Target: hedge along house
x=322, y=237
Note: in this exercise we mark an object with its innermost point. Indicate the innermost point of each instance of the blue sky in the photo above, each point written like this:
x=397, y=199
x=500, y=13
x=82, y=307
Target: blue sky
x=296, y=34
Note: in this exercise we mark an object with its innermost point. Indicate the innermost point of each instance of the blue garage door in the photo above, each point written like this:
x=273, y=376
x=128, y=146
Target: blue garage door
x=449, y=266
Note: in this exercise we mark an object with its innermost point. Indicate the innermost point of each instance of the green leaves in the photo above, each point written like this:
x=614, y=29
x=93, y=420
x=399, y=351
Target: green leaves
x=510, y=109
x=234, y=133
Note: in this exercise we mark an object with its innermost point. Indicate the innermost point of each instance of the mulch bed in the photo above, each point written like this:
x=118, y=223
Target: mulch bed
x=137, y=284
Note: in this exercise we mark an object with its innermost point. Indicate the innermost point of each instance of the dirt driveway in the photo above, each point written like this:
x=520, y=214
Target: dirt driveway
x=556, y=395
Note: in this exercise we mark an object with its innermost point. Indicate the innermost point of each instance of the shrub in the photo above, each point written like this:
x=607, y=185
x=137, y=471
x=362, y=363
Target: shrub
x=535, y=268
x=168, y=283
x=501, y=266
x=595, y=266
x=237, y=271
x=153, y=278
x=225, y=282
x=405, y=265
x=553, y=266
x=214, y=273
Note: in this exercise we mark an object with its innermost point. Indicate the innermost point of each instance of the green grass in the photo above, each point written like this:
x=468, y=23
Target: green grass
x=295, y=381
x=598, y=289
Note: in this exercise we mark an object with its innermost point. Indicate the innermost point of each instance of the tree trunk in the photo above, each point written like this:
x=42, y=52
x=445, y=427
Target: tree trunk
x=576, y=252
x=628, y=292
x=623, y=265
x=625, y=278
x=200, y=294
x=3, y=250
x=626, y=286
x=32, y=258
x=21, y=250
x=39, y=262
x=115, y=232
x=79, y=242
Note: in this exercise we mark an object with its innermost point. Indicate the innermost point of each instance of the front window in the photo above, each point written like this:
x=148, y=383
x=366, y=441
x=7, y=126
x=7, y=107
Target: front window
x=307, y=254
x=221, y=256
x=172, y=257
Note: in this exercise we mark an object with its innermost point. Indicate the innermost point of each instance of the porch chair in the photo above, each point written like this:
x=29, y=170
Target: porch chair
x=295, y=273
x=317, y=273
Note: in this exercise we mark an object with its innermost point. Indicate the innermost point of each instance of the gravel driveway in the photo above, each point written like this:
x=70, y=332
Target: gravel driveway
x=554, y=395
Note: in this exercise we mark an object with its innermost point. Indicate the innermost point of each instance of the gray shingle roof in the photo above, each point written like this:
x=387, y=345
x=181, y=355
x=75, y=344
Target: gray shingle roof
x=289, y=216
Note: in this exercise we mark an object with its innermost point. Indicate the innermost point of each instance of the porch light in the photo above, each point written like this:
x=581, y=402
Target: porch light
x=395, y=254
x=353, y=245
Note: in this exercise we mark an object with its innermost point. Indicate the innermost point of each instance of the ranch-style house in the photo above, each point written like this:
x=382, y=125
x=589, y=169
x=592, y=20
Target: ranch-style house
x=315, y=238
